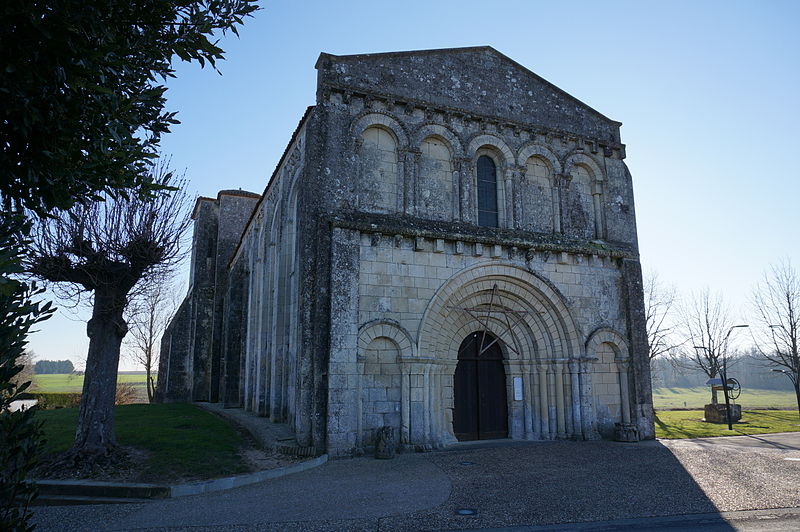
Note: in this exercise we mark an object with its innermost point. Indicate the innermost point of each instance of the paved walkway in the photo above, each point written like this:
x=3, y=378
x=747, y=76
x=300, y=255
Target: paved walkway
x=521, y=484
x=265, y=432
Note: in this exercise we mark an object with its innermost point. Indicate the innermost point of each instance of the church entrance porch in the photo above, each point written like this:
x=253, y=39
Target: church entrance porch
x=480, y=403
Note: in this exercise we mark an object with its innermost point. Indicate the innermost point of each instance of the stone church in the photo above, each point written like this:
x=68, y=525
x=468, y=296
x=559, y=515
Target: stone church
x=447, y=247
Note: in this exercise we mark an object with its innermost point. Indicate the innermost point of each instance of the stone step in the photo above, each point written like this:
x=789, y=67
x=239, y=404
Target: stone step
x=92, y=488
x=73, y=500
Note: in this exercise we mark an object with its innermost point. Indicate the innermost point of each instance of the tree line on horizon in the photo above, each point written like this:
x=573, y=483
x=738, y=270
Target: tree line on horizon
x=49, y=367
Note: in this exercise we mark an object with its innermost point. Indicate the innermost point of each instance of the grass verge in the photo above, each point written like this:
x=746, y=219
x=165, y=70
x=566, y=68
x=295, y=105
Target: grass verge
x=179, y=441
x=697, y=397
x=675, y=424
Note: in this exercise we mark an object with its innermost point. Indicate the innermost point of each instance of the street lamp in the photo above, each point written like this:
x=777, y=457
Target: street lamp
x=725, y=374
x=788, y=374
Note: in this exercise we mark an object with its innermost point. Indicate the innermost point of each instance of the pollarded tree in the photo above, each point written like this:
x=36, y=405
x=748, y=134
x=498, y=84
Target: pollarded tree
x=109, y=249
x=776, y=300
x=83, y=111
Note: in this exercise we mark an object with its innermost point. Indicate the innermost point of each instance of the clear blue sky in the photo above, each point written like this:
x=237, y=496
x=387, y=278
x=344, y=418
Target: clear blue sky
x=707, y=93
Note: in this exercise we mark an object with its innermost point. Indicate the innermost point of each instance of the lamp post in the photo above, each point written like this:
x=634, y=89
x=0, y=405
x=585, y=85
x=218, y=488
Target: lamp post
x=725, y=374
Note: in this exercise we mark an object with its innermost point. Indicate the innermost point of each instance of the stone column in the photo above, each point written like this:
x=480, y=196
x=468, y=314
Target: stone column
x=360, y=402
x=466, y=208
x=408, y=173
x=447, y=370
x=597, y=198
x=574, y=373
x=427, y=410
x=519, y=176
x=343, y=363
x=456, y=177
x=405, y=398
x=625, y=405
x=508, y=196
x=531, y=432
x=558, y=372
x=561, y=181
x=544, y=409
x=587, y=409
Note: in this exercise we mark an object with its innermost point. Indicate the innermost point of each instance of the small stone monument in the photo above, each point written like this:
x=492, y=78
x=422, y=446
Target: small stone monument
x=626, y=432
x=384, y=443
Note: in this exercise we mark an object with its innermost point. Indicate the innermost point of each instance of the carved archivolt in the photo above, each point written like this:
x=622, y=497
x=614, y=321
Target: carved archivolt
x=379, y=119
x=605, y=335
x=491, y=141
x=545, y=329
x=539, y=150
x=385, y=329
x=438, y=130
x=575, y=159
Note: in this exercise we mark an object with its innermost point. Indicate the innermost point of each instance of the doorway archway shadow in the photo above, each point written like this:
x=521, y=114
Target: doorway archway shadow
x=480, y=403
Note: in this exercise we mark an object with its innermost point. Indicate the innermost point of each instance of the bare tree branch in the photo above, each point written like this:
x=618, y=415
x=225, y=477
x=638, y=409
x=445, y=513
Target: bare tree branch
x=658, y=303
x=776, y=302
x=114, y=249
x=148, y=317
x=706, y=324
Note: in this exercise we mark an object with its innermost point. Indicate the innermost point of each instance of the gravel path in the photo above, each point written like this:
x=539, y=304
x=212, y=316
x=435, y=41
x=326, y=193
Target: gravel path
x=509, y=485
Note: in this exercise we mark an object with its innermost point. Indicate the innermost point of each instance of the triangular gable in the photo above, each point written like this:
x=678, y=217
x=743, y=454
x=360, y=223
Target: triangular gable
x=479, y=80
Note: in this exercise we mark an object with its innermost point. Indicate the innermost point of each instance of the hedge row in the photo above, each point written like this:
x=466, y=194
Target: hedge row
x=49, y=401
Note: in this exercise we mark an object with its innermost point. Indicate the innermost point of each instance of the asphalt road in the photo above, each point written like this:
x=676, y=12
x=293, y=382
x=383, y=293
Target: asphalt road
x=713, y=484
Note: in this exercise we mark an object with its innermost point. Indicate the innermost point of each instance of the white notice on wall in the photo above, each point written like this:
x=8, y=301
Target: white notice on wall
x=518, y=388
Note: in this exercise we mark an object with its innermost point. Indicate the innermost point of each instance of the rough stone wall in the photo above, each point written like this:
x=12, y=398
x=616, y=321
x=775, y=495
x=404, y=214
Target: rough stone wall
x=565, y=199
x=234, y=208
x=399, y=275
x=478, y=80
x=367, y=234
x=196, y=330
x=271, y=363
x=201, y=290
x=175, y=369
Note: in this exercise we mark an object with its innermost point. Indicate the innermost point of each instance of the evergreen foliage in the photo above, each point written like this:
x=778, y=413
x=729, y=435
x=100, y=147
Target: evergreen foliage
x=45, y=367
x=81, y=114
x=20, y=434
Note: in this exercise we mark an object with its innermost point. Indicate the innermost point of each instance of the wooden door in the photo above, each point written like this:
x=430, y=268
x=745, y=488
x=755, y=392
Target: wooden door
x=480, y=401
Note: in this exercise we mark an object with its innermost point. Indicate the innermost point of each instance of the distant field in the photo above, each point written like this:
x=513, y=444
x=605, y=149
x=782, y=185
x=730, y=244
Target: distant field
x=69, y=383
x=664, y=398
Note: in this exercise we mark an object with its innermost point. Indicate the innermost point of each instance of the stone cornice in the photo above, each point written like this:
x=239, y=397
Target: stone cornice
x=408, y=105
x=523, y=241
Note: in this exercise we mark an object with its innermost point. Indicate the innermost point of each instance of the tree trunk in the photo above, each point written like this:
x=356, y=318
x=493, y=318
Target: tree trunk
x=797, y=395
x=95, y=432
x=150, y=384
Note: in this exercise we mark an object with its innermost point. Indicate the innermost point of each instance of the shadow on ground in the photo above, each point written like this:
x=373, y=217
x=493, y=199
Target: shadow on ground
x=559, y=482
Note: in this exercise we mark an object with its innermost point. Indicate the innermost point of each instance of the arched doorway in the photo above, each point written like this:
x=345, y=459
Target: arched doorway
x=480, y=404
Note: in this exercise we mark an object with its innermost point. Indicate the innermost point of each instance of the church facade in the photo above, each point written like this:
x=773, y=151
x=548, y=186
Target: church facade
x=447, y=247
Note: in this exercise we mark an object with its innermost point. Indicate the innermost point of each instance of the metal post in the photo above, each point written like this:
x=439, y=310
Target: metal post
x=725, y=374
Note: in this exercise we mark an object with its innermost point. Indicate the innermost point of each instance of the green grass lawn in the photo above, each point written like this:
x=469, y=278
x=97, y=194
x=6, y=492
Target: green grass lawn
x=71, y=383
x=182, y=441
x=689, y=424
x=699, y=396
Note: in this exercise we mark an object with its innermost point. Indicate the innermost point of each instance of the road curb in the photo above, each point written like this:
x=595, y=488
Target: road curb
x=220, y=484
x=53, y=492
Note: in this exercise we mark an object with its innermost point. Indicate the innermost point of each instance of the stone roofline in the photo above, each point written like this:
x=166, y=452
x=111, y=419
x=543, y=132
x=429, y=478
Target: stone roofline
x=197, y=205
x=454, y=112
x=485, y=48
x=272, y=179
x=240, y=193
x=514, y=240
